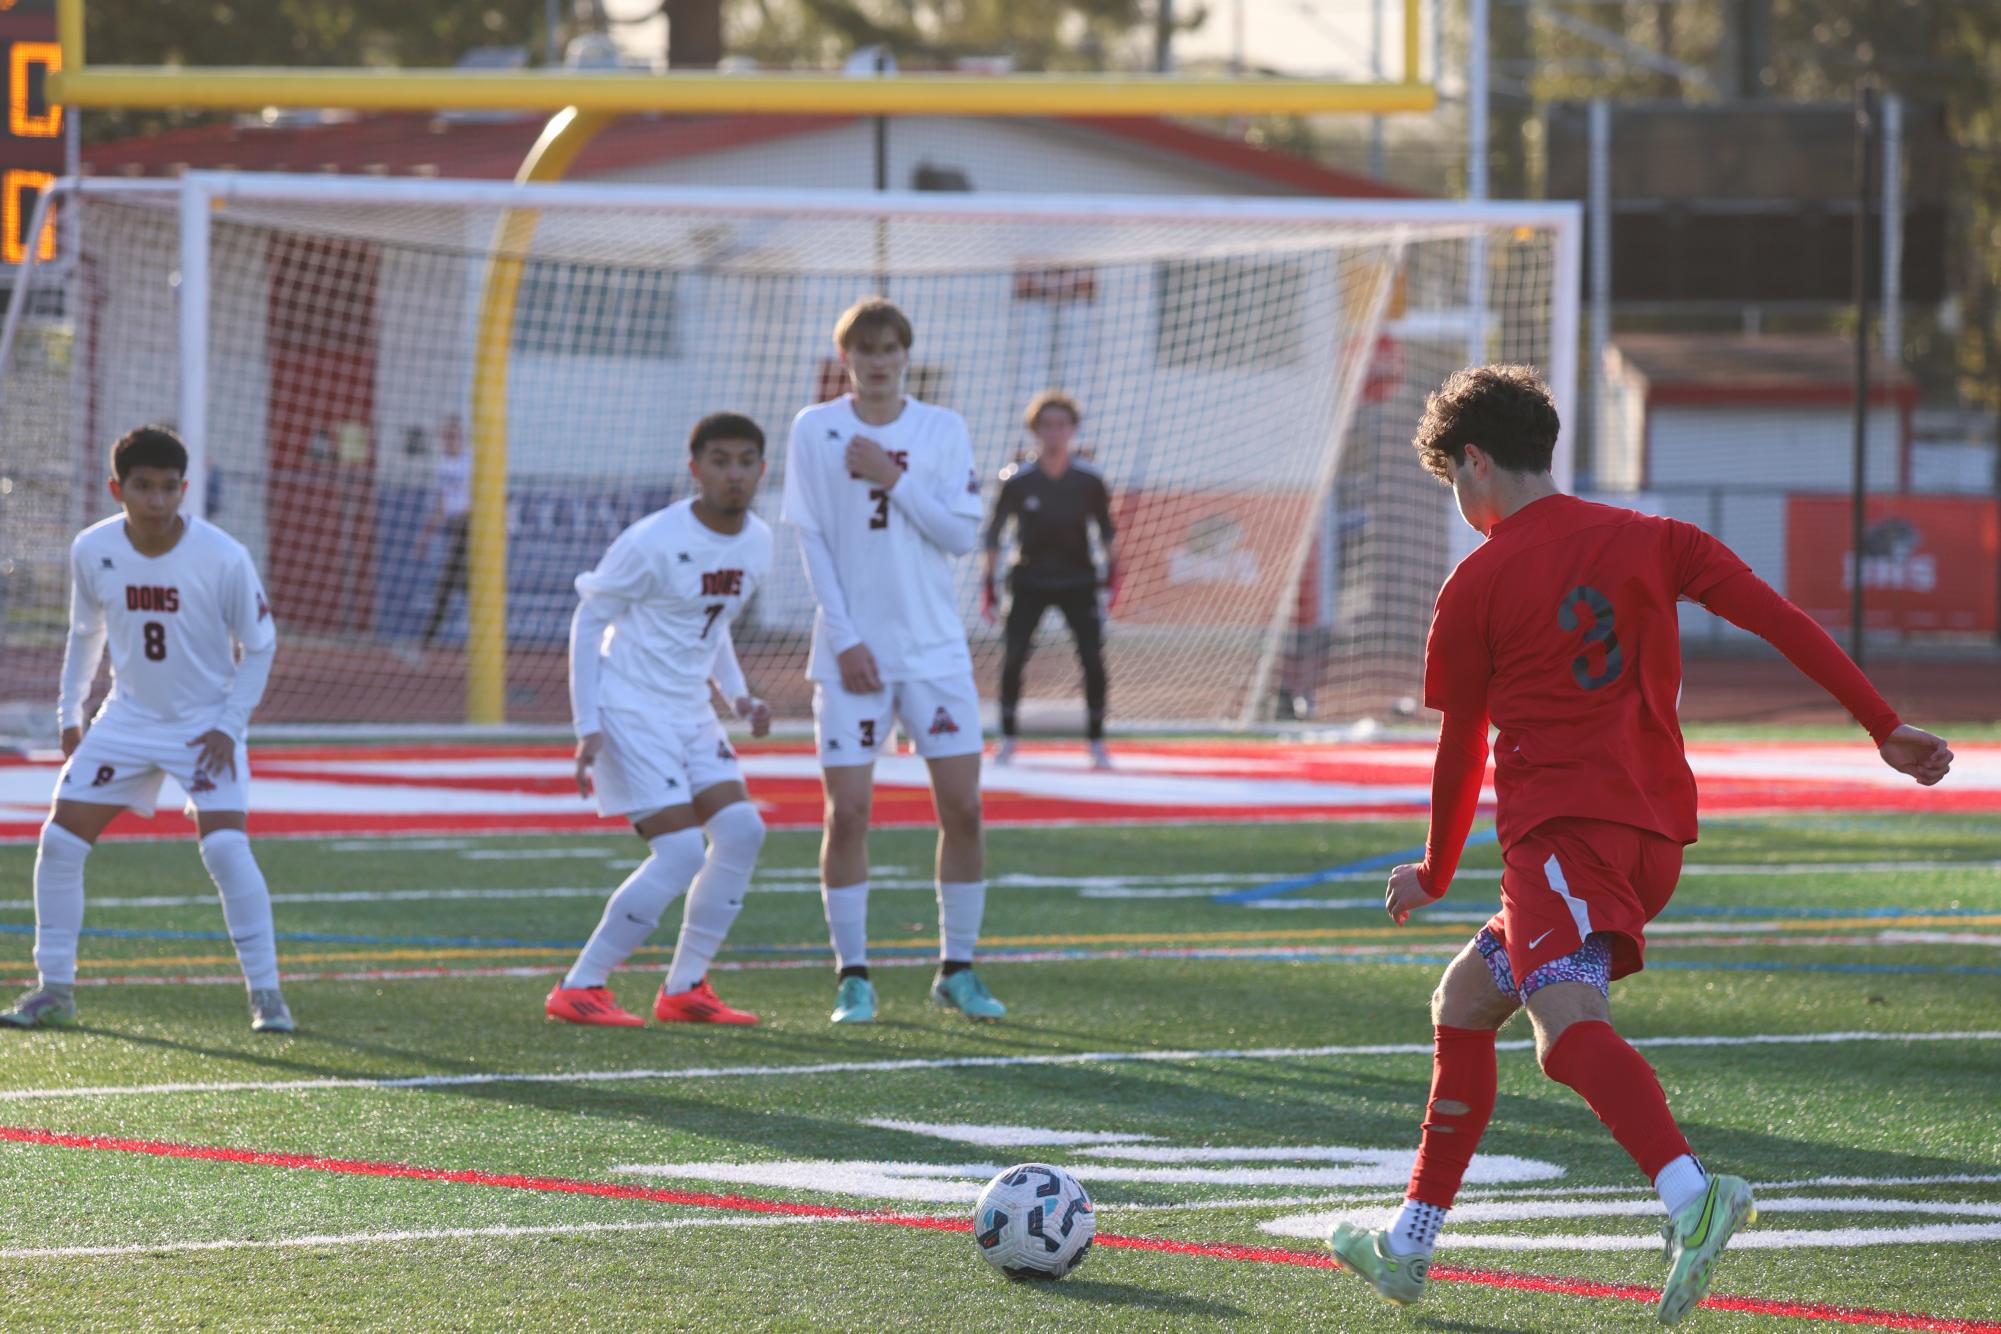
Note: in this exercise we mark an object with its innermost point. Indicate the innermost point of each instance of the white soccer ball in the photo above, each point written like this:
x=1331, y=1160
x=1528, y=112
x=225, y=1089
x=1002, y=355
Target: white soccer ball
x=1034, y=1221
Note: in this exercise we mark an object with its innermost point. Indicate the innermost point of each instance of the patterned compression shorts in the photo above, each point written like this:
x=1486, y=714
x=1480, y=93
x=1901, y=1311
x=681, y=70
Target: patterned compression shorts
x=1591, y=965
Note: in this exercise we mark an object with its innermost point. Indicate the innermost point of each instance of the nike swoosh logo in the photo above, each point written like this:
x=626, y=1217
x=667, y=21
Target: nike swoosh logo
x=1541, y=938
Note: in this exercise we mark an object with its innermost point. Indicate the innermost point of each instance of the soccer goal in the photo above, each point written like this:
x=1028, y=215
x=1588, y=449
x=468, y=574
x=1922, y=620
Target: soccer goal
x=1249, y=373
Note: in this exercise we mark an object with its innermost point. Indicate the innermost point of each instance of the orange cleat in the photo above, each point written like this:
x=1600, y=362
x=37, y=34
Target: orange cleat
x=589, y=1005
x=699, y=1004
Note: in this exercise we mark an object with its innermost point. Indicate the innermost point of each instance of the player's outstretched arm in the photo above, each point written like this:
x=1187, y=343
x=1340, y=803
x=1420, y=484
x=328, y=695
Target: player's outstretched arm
x=1748, y=602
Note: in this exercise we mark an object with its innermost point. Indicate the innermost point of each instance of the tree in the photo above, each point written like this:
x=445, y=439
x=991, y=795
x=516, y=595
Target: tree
x=293, y=32
x=1035, y=34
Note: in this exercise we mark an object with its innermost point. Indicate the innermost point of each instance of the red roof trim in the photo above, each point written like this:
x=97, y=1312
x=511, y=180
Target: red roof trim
x=408, y=143
x=1903, y=394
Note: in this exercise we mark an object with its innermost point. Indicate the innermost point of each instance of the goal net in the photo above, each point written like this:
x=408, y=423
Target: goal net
x=1249, y=373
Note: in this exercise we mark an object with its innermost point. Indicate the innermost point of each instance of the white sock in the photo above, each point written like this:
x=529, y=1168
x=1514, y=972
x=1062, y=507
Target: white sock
x=1681, y=1183
x=736, y=833
x=961, y=905
x=847, y=923
x=1417, y=1227
x=58, y=904
x=246, y=905
x=634, y=909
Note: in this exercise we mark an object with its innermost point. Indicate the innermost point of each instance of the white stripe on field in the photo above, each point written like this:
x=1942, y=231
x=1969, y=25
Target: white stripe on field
x=380, y=1238
x=1387, y=1202
x=949, y=1063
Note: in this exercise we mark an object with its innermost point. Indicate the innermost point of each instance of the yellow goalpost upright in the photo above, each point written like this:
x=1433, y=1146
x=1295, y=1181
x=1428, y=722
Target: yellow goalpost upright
x=583, y=103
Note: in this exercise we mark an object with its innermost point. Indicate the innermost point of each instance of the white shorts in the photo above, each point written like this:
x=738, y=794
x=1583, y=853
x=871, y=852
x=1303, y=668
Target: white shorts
x=122, y=764
x=649, y=764
x=941, y=717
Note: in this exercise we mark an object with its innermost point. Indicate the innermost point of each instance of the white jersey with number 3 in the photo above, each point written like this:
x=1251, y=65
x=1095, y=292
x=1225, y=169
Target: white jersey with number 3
x=670, y=586
x=173, y=622
x=897, y=583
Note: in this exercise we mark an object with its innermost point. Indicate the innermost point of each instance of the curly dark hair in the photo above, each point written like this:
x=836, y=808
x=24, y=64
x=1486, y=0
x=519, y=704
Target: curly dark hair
x=1506, y=410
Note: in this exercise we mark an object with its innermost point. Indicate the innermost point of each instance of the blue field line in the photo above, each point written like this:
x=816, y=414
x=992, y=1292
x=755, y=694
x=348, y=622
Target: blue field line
x=1380, y=862
x=311, y=937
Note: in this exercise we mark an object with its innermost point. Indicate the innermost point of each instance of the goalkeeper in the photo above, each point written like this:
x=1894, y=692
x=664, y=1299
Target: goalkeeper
x=1053, y=499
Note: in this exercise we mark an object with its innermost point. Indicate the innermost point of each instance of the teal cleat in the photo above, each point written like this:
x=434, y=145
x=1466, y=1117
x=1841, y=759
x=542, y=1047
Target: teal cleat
x=1396, y=1278
x=44, y=1007
x=854, y=1003
x=1696, y=1237
x=963, y=991
x=269, y=1013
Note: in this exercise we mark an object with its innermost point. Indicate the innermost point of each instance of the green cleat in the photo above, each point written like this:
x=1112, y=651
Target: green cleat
x=1396, y=1278
x=44, y=1007
x=854, y=1003
x=963, y=991
x=1696, y=1236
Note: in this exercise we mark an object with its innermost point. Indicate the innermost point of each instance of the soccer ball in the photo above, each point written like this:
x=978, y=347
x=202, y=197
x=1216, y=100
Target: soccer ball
x=1034, y=1221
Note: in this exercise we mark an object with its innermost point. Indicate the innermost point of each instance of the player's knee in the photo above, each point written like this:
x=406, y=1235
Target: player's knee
x=737, y=831
x=847, y=821
x=959, y=814
x=60, y=843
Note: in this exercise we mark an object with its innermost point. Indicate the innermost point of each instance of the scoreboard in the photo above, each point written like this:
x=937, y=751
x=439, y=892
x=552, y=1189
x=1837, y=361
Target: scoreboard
x=34, y=148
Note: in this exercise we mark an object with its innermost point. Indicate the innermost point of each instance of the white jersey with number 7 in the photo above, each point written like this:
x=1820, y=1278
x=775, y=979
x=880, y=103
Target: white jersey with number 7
x=667, y=590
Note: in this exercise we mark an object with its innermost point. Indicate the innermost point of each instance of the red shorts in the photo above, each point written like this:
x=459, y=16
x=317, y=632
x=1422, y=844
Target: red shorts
x=1568, y=879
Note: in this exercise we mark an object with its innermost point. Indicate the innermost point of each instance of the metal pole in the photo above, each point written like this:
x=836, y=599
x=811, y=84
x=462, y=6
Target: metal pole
x=1893, y=230
x=1376, y=164
x=1865, y=112
x=1476, y=99
x=1477, y=12
x=552, y=34
x=881, y=184
x=193, y=292
x=1600, y=190
x=1163, y=38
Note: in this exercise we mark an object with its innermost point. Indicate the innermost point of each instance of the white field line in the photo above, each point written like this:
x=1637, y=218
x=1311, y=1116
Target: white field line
x=718, y=1072
x=1378, y=1200
x=386, y=1238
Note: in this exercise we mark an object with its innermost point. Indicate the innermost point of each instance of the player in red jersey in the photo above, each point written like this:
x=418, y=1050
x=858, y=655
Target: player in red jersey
x=1562, y=631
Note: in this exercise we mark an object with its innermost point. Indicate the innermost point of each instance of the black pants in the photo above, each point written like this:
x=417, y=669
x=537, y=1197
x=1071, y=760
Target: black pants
x=451, y=580
x=1080, y=608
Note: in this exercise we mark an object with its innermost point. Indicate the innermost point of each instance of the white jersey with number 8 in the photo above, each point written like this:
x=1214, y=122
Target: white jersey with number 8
x=173, y=623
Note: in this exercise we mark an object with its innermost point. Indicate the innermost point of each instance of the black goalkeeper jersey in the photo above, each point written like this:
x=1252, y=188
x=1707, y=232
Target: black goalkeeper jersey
x=1052, y=514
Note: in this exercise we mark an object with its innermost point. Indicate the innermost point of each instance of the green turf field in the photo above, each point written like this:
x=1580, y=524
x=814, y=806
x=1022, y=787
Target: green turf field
x=1138, y=1008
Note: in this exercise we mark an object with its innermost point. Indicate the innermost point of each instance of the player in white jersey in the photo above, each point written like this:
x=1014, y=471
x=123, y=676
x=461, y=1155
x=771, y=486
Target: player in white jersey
x=650, y=639
x=884, y=495
x=192, y=644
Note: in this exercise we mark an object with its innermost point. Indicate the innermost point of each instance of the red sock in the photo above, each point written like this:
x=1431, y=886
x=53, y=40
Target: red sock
x=1622, y=1090
x=1462, y=1076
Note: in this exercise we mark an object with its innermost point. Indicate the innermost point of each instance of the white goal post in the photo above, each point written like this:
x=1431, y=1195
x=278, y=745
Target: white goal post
x=1249, y=372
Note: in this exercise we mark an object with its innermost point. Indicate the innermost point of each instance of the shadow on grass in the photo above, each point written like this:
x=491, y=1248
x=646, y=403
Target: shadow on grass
x=1101, y=1293
x=1469, y=1326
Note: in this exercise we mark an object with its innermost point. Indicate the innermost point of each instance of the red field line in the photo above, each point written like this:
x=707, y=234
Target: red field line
x=1569, y=1287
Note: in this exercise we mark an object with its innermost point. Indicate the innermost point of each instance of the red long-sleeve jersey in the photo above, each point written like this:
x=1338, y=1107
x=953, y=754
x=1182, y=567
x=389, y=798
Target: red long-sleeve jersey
x=1562, y=629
